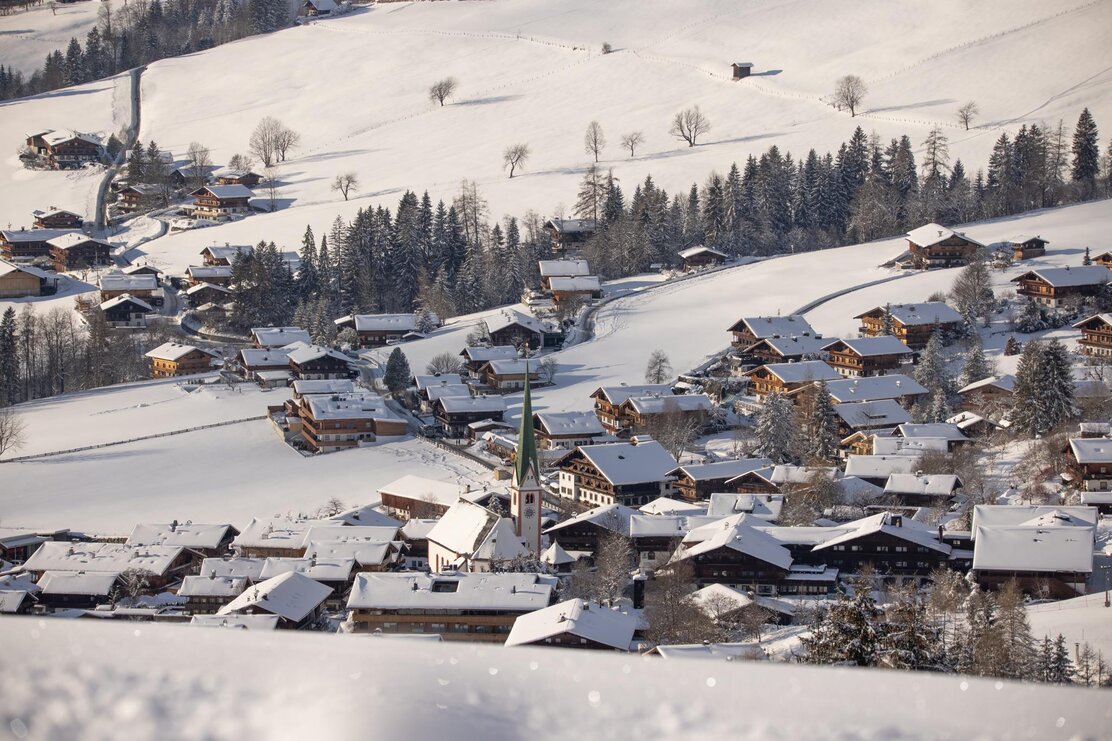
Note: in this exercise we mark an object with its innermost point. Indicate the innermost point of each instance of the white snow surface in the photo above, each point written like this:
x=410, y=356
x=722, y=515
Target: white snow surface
x=64, y=678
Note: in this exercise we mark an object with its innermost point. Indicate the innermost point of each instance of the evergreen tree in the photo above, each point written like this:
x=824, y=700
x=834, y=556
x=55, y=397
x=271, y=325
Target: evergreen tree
x=308, y=279
x=1086, y=155
x=931, y=371
x=846, y=633
x=776, y=429
x=908, y=639
x=74, y=64
x=1087, y=259
x=1060, y=669
x=974, y=365
x=1043, y=395
x=823, y=425
x=397, y=375
x=9, y=365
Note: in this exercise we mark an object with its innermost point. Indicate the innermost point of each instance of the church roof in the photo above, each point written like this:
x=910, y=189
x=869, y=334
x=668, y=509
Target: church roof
x=526, y=439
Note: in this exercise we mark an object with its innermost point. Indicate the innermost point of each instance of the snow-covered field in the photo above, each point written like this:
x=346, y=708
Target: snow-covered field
x=27, y=36
x=65, y=678
x=1080, y=620
x=531, y=71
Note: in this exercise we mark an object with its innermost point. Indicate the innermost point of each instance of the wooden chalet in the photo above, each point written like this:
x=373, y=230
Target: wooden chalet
x=566, y=430
x=174, y=359
x=583, y=532
x=897, y=386
x=550, y=269
x=936, y=246
x=207, y=593
x=511, y=327
x=567, y=234
x=854, y=416
x=331, y=423
x=313, y=362
x=455, y=605
x=638, y=414
x=609, y=400
x=696, y=482
x=1053, y=286
x=166, y=563
x=140, y=197
x=1104, y=258
x=894, y=544
x=1024, y=247
x=65, y=149
x=225, y=255
x=377, y=330
x=313, y=8
x=741, y=70
x=987, y=394
x=17, y=281
x=1090, y=464
x=867, y=356
x=126, y=311
x=76, y=590
x=577, y=623
x=75, y=251
x=1096, y=335
x=508, y=376
x=579, y=288
x=786, y=349
x=218, y=275
x=699, y=257
x=751, y=329
x=921, y=490
x=220, y=201
x=297, y=600
x=25, y=245
x=207, y=293
x=57, y=218
x=632, y=473
x=739, y=556
x=784, y=378
x=117, y=283
x=144, y=269
x=455, y=413
x=911, y=324
x=237, y=177
x=474, y=358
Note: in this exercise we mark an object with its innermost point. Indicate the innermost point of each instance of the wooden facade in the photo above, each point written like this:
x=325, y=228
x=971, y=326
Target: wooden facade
x=219, y=201
x=16, y=282
x=914, y=334
x=1024, y=248
x=80, y=253
x=1096, y=335
x=65, y=150
x=58, y=219
x=850, y=362
x=139, y=197
x=192, y=362
x=934, y=246
x=1054, y=286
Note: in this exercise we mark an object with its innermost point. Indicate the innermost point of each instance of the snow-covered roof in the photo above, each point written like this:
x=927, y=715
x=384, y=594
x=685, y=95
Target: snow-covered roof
x=514, y=367
x=759, y=506
x=210, y=272
x=1070, y=277
x=1052, y=547
x=335, y=532
x=241, y=622
x=879, y=466
x=212, y=586
x=248, y=568
x=368, y=515
x=133, y=269
x=932, y=429
x=116, y=281
x=613, y=517
x=630, y=463
x=290, y=595
x=573, y=284
x=1092, y=450
x=380, y=322
x=106, y=558
x=878, y=413
x=762, y=327
x=252, y=357
x=572, y=226
x=701, y=250
x=186, y=535
x=918, y=315
x=669, y=506
x=719, y=470
x=313, y=386
x=229, y=251
x=1005, y=382
x=53, y=211
x=480, y=404
x=228, y=172
x=590, y=621
x=125, y=298
x=16, y=236
x=203, y=286
x=315, y=352
x=725, y=651
x=276, y=532
x=279, y=336
x=807, y=370
x=225, y=191
x=887, y=445
x=874, y=388
x=54, y=137
x=8, y=267
x=350, y=406
x=579, y=424
x=11, y=600
x=509, y=592
x=510, y=317
x=73, y=239
x=563, y=268
x=475, y=532
x=663, y=526
x=555, y=555
x=931, y=234
x=173, y=351
x=995, y=515
x=927, y=485
x=363, y=553
x=743, y=538
x=872, y=346
x=618, y=394
x=89, y=583
x=420, y=488
x=790, y=347
x=712, y=596
x=1024, y=238
x=418, y=528
x=484, y=354
x=897, y=526
x=447, y=389
x=668, y=403
x=318, y=569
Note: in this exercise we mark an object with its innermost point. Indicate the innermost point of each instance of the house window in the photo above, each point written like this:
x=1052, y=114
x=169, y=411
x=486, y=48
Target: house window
x=855, y=547
x=882, y=549
x=901, y=564
x=901, y=549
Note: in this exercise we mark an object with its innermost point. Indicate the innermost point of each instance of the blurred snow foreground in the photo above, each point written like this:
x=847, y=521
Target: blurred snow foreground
x=74, y=679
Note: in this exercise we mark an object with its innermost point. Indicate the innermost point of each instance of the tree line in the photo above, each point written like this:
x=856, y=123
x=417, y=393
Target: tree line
x=144, y=31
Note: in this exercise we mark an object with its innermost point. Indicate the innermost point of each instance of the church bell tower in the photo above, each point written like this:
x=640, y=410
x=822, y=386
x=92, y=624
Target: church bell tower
x=525, y=491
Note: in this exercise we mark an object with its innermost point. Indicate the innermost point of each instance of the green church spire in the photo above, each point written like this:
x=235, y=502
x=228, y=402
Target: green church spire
x=526, y=439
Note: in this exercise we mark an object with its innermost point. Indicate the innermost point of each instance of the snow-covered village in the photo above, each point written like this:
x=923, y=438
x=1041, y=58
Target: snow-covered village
x=507, y=369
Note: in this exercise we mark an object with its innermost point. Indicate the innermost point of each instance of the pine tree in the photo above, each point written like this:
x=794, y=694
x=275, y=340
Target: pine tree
x=9, y=365
x=974, y=365
x=1061, y=666
x=1043, y=395
x=776, y=429
x=847, y=632
x=397, y=374
x=823, y=425
x=1086, y=155
x=1087, y=259
x=308, y=279
x=908, y=640
x=931, y=371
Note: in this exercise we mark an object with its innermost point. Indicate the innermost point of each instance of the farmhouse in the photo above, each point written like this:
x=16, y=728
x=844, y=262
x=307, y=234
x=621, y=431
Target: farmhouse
x=511, y=327
x=116, y=283
x=576, y=623
x=296, y=599
x=936, y=246
x=237, y=177
x=165, y=563
x=632, y=473
x=431, y=388
x=988, y=394
x=270, y=337
x=456, y=606
x=639, y=414
x=577, y=288
x=696, y=258
x=507, y=376
x=921, y=490
x=455, y=413
x=783, y=378
x=868, y=356
x=911, y=324
x=74, y=251
x=583, y=532
x=748, y=330
x=566, y=430
x=220, y=201
x=569, y=233
x=57, y=218
x=1091, y=466
x=418, y=497
x=330, y=423
x=174, y=359
x=561, y=269
x=854, y=416
x=1025, y=247
x=23, y=280
x=225, y=255
x=220, y=275
x=609, y=400
x=64, y=149
x=376, y=330
x=738, y=555
x=474, y=358
x=1052, y=286
x=698, y=482
x=139, y=197
x=207, y=293
x=313, y=8
x=896, y=386
x=60, y=590
x=316, y=363
x=126, y=311
x=252, y=361
x=25, y=245
x=206, y=594
x=786, y=349
x=1096, y=335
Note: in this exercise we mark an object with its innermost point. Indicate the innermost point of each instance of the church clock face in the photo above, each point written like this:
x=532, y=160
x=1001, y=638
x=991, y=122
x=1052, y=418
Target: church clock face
x=529, y=512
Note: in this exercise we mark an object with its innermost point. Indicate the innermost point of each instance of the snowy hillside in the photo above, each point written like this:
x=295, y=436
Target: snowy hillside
x=27, y=36
x=65, y=678
x=1080, y=620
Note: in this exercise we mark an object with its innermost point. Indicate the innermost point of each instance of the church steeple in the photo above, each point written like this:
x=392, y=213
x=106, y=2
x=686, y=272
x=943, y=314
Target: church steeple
x=525, y=490
x=526, y=463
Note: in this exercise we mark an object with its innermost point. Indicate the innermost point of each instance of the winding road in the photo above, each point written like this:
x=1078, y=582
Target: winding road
x=131, y=134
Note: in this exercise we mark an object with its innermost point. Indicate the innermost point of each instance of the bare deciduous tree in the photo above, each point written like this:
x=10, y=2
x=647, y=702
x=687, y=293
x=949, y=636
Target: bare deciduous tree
x=346, y=183
x=632, y=140
x=673, y=428
x=689, y=124
x=967, y=113
x=659, y=368
x=547, y=369
x=442, y=90
x=13, y=433
x=241, y=162
x=672, y=615
x=287, y=140
x=849, y=91
x=445, y=362
x=270, y=182
x=594, y=140
x=200, y=161
x=271, y=141
x=613, y=562
x=515, y=156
